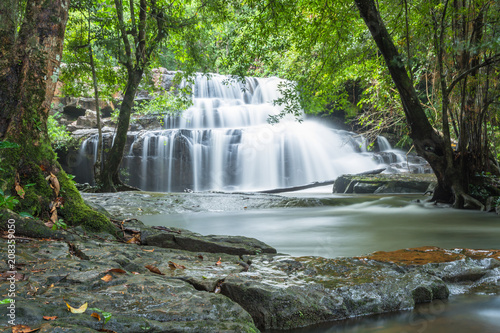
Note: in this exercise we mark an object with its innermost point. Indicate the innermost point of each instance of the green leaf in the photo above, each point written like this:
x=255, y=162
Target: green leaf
x=7, y=144
x=25, y=214
x=6, y=301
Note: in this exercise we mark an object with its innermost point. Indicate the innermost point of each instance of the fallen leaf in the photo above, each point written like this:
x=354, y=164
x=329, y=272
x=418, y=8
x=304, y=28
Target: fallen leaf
x=50, y=317
x=107, y=278
x=23, y=329
x=49, y=224
x=53, y=217
x=136, y=239
x=136, y=273
x=173, y=265
x=218, y=263
x=154, y=269
x=200, y=257
x=152, y=250
x=81, y=309
x=117, y=270
x=54, y=183
x=20, y=191
x=217, y=289
x=106, y=315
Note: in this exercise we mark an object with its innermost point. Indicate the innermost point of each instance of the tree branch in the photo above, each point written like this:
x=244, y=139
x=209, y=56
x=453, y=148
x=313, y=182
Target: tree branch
x=489, y=61
x=123, y=32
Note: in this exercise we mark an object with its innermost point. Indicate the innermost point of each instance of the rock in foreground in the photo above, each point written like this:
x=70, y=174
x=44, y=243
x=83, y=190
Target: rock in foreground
x=158, y=289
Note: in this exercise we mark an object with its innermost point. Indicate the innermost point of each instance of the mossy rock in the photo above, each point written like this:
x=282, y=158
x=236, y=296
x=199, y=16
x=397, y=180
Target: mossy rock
x=384, y=183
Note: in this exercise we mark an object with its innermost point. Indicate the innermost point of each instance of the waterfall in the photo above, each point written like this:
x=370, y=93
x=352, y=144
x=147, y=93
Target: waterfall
x=224, y=142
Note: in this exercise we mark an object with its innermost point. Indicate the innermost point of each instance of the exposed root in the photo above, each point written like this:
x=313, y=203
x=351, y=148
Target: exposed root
x=463, y=200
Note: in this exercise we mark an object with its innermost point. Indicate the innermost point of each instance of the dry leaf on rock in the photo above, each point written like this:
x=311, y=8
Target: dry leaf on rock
x=219, y=262
x=117, y=270
x=173, y=265
x=136, y=239
x=96, y=315
x=152, y=250
x=217, y=289
x=154, y=269
x=23, y=329
x=107, y=278
x=50, y=317
x=81, y=309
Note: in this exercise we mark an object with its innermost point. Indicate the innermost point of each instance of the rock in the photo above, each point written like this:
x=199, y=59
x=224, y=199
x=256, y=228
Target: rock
x=284, y=293
x=186, y=240
x=384, y=183
x=185, y=291
x=137, y=301
x=73, y=112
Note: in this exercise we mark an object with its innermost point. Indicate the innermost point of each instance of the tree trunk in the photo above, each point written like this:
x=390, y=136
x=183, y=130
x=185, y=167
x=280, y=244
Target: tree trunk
x=28, y=75
x=428, y=143
x=98, y=160
x=110, y=175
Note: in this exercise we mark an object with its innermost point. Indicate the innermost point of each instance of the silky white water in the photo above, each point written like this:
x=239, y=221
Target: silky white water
x=224, y=142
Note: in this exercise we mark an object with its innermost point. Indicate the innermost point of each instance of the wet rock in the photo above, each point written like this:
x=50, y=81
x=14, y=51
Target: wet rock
x=186, y=240
x=160, y=289
x=384, y=183
x=138, y=301
x=129, y=204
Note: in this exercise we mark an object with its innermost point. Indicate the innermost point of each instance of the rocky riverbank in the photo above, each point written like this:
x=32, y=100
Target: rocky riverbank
x=172, y=280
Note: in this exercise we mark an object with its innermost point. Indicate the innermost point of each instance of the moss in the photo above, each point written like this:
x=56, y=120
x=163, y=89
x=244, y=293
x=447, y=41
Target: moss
x=33, y=161
x=76, y=212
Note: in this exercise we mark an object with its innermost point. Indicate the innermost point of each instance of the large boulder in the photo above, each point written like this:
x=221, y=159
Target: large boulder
x=385, y=183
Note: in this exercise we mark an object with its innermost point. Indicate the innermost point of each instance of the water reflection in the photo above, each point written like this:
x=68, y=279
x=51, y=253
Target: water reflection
x=460, y=314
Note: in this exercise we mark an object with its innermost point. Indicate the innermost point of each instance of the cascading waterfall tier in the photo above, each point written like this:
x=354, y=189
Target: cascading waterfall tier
x=224, y=142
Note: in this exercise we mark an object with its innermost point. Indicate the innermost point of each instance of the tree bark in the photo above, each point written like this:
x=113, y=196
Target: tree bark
x=428, y=143
x=110, y=175
x=28, y=76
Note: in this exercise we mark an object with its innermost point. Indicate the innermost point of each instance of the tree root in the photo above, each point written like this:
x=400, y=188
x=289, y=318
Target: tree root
x=466, y=201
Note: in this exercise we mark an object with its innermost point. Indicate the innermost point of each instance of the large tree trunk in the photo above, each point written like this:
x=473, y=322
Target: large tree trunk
x=29, y=69
x=432, y=146
x=110, y=175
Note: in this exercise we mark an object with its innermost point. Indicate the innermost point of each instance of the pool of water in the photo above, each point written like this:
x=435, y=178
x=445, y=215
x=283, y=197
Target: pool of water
x=352, y=226
x=459, y=314
x=381, y=224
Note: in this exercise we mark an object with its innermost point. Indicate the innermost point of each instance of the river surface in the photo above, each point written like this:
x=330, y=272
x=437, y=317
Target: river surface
x=358, y=226
x=353, y=226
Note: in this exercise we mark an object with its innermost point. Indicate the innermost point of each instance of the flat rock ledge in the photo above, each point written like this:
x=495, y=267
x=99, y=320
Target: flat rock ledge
x=161, y=286
x=385, y=183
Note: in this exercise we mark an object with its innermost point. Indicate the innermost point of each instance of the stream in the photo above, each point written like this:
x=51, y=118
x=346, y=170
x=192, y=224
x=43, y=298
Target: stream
x=358, y=225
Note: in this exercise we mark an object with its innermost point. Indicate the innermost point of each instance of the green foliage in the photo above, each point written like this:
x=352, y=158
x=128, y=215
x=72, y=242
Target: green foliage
x=7, y=201
x=59, y=224
x=164, y=102
x=59, y=136
x=7, y=145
